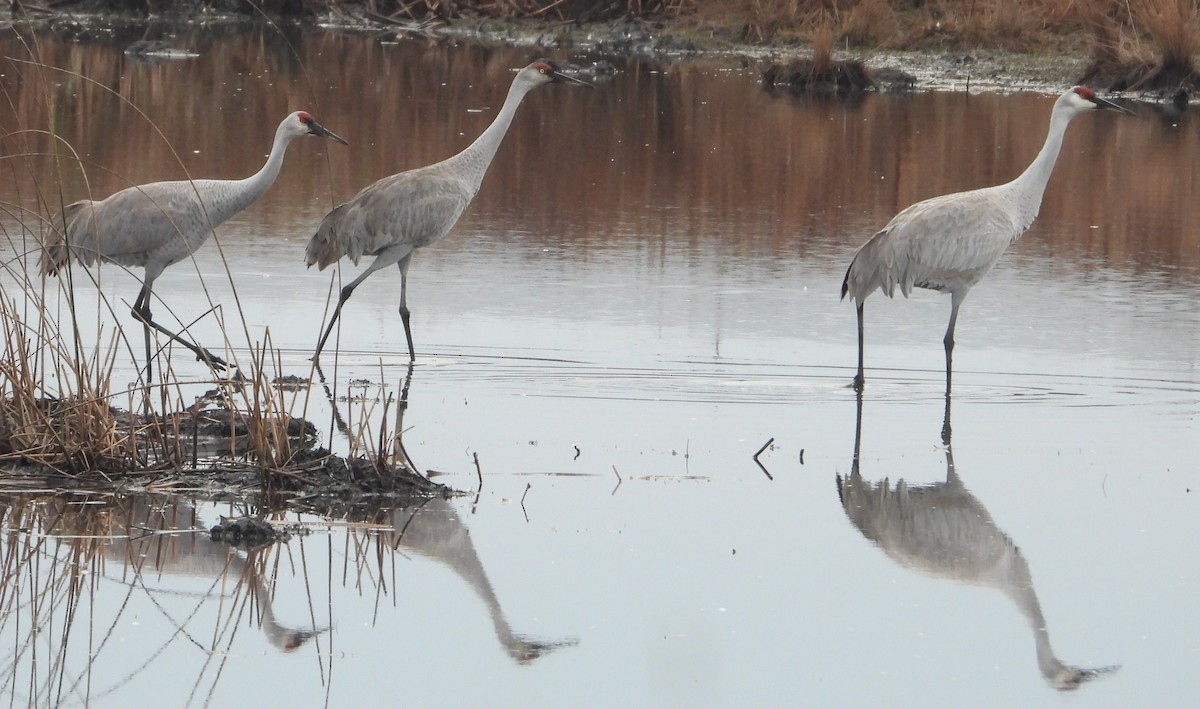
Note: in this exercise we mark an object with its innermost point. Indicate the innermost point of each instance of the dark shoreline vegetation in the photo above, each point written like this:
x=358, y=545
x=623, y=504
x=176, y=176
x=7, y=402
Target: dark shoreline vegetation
x=62, y=423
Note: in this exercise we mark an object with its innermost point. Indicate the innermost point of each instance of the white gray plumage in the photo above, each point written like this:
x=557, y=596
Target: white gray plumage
x=949, y=243
x=156, y=225
x=397, y=215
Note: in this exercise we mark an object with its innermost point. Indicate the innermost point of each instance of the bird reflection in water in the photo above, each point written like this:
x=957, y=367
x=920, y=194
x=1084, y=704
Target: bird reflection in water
x=942, y=530
x=435, y=531
x=432, y=528
x=150, y=555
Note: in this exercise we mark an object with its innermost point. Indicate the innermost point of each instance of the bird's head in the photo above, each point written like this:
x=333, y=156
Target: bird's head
x=302, y=123
x=544, y=71
x=1081, y=98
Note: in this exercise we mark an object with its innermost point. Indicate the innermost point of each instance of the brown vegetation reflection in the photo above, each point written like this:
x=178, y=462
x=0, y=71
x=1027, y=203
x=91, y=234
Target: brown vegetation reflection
x=661, y=158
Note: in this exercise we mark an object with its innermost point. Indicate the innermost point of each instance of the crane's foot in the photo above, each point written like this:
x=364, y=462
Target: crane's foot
x=858, y=383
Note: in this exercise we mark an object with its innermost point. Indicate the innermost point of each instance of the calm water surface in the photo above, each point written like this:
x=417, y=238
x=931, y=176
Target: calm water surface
x=644, y=293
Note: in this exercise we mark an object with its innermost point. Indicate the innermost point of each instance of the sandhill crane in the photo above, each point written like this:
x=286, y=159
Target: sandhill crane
x=949, y=243
x=397, y=215
x=943, y=531
x=161, y=223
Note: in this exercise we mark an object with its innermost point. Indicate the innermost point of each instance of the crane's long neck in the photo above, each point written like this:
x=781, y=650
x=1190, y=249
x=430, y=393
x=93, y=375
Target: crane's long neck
x=228, y=197
x=1030, y=185
x=473, y=162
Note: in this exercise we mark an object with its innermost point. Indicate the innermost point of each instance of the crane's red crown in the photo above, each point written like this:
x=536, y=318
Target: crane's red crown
x=304, y=118
x=543, y=68
x=1085, y=92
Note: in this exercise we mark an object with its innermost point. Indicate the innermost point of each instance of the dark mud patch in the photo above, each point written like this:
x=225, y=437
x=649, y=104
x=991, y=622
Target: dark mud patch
x=218, y=453
x=812, y=75
x=249, y=533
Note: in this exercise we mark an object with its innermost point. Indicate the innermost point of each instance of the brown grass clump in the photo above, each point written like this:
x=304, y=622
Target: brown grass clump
x=869, y=23
x=1008, y=25
x=1174, y=28
x=1144, y=45
x=820, y=73
x=54, y=409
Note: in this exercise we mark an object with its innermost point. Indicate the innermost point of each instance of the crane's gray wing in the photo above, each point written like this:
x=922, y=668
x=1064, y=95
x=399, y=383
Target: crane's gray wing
x=945, y=243
x=165, y=219
x=412, y=208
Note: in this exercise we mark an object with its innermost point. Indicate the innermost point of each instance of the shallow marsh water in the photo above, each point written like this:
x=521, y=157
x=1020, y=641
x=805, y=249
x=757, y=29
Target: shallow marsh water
x=644, y=293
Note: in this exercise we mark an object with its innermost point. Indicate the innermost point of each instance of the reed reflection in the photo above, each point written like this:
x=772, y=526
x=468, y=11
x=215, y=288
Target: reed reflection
x=94, y=564
x=942, y=530
x=79, y=566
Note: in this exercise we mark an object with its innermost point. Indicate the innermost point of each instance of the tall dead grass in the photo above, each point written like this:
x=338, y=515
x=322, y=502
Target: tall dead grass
x=1143, y=45
x=54, y=405
x=1174, y=28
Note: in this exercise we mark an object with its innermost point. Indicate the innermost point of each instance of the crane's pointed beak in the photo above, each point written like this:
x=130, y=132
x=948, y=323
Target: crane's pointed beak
x=315, y=128
x=566, y=78
x=1109, y=105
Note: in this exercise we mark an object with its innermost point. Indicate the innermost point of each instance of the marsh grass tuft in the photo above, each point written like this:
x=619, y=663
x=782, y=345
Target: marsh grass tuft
x=820, y=73
x=1174, y=28
x=54, y=404
x=1143, y=45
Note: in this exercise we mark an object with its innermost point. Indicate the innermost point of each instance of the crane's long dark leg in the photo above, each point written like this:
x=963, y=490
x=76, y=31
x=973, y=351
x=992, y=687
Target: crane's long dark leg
x=404, y=314
x=859, y=379
x=385, y=258
x=139, y=305
x=948, y=340
x=343, y=296
x=141, y=312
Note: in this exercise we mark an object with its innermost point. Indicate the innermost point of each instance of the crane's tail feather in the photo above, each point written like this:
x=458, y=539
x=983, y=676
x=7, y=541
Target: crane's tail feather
x=876, y=264
x=324, y=248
